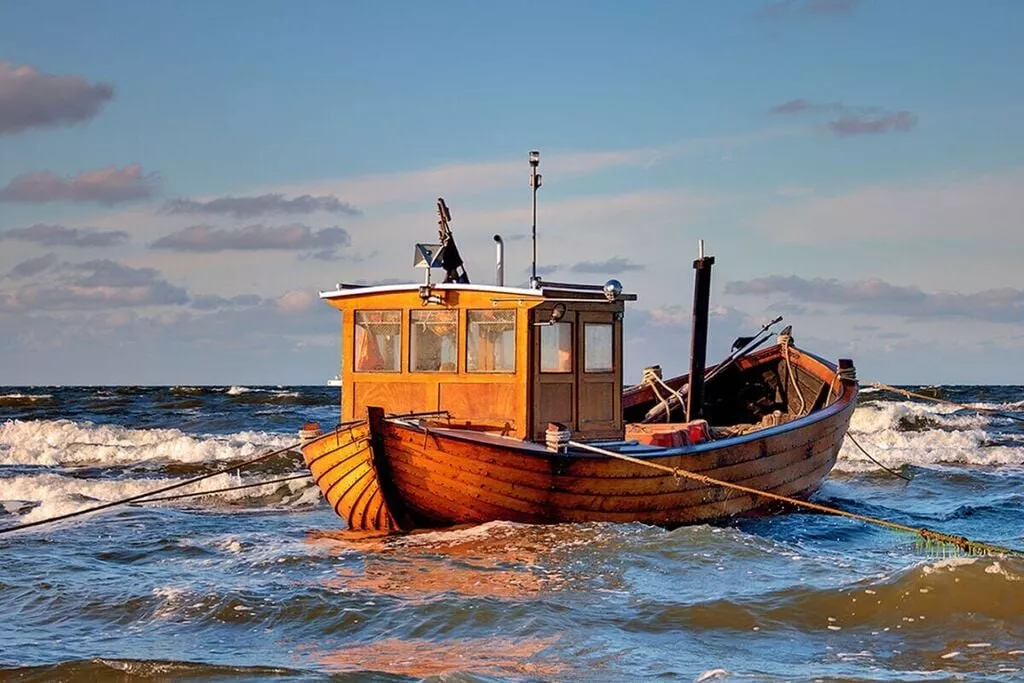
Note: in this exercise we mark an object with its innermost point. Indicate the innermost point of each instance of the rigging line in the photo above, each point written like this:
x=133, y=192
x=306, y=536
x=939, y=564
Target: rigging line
x=890, y=471
x=132, y=499
x=911, y=394
x=927, y=534
x=225, y=489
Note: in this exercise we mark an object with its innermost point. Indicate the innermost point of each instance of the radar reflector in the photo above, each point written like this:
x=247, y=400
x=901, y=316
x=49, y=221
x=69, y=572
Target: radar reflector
x=427, y=255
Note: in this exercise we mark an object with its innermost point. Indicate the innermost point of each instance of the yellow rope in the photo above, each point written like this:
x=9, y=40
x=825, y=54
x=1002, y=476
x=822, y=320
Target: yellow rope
x=926, y=534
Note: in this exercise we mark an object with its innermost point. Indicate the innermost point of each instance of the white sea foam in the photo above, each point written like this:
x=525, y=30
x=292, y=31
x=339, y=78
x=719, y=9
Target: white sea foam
x=58, y=494
x=66, y=442
x=940, y=436
x=236, y=390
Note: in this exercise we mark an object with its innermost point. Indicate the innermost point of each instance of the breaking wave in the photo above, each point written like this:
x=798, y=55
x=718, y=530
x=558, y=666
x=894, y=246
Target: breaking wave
x=71, y=443
x=907, y=433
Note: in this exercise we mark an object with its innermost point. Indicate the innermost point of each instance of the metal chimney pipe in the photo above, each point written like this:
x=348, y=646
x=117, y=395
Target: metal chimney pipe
x=499, y=267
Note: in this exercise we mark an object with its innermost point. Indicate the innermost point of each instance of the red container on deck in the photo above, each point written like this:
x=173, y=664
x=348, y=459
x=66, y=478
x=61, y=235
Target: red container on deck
x=697, y=431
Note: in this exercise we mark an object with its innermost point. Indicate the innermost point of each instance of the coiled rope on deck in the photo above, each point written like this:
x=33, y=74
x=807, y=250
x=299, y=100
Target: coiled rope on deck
x=964, y=544
x=652, y=378
x=148, y=494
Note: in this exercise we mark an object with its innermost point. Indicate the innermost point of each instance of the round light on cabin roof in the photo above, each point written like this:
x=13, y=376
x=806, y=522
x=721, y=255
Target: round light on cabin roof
x=612, y=290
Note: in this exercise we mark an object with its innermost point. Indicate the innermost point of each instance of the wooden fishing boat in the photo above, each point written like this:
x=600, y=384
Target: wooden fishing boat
x=466, y=403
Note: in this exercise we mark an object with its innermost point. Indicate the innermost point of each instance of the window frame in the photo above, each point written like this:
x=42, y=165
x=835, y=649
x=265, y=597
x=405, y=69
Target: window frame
x=457, y=324
x=572, y=348
x=355, y=334
x=610, y=347
x=515, y=341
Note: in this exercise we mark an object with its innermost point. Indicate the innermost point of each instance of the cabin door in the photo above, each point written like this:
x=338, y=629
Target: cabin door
x=599, y=390
x=554, y=385
x=578, y=373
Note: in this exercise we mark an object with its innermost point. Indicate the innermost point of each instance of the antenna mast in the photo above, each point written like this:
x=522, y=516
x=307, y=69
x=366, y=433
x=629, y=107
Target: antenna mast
x=535, y=180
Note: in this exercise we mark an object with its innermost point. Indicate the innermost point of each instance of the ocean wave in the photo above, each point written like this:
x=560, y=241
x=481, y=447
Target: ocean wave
x=905, y=433
x=283, y=398
x=67, y=442
x=17, y=400
x=189, y=391
x=103, y=669
x=931, y=595
x=42, y=496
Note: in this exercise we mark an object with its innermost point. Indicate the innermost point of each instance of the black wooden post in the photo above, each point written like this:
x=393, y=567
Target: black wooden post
x=699, y=337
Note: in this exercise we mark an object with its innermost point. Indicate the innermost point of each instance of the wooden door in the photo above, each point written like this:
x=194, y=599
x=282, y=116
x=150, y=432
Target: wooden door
x=554, y=371
x=599, y=363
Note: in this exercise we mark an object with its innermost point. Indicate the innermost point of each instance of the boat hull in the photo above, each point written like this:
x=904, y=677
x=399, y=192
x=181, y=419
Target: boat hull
x=445, y=478
x=420, y=473
x=347, y=467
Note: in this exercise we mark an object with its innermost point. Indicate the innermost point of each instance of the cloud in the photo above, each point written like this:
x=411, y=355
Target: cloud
x=58, y=235
x=33, y=266
x=262, y=205
x=610, y=266
x=210, y=302
x=30, y=98
x=296, y=301
x=295, y=237
x=877, y=297
x=475, y=178
x=867, y=124
x=851, y=120
x=107, y=186
x=786, y=9
x=92, y=285
x=985, y=206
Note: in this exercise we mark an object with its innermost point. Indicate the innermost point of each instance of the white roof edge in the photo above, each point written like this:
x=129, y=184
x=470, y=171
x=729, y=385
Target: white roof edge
x=412, y=287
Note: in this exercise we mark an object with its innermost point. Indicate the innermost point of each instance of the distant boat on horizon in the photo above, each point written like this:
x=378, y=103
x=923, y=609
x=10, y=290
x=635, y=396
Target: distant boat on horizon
x=334, y=381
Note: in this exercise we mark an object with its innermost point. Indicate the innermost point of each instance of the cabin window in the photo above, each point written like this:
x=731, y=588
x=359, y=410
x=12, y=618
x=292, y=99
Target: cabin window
x=378, y=341
x=556, y=347
x=433, y=341
x=490, y=341
x=597, y=347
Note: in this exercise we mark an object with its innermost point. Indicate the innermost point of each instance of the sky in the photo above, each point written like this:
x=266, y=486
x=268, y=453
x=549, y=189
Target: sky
x=179, y=180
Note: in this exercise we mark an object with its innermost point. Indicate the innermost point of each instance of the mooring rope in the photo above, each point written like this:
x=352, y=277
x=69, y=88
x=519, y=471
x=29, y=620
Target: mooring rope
x=974, y=547
x=934, y=399
x=164, y=489
x=872, y=459
x=784, y=341
x=225, y=489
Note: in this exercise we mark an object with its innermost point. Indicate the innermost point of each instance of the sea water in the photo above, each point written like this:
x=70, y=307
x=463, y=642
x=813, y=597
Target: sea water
x=262, y=583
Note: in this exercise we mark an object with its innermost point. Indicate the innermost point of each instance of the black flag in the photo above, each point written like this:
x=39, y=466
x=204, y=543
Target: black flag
x=450, y=258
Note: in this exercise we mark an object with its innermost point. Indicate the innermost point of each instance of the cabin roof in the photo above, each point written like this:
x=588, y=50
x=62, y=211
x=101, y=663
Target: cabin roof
x=547, y=290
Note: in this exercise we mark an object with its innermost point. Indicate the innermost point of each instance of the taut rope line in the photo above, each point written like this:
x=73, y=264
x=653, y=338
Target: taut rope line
x=926, y=534
x=132, y=499
x=872, y=459
x=225, y=489
x=911, y=394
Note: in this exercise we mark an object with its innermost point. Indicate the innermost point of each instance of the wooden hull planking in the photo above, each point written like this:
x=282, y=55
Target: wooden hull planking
x=444, y=478
x=344, y=466
x=421, y=475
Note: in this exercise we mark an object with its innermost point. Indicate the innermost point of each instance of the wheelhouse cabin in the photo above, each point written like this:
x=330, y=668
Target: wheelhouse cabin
x=496, y=358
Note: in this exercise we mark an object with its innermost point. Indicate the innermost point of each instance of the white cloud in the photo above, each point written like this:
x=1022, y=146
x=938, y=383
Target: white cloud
x=989, y=206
